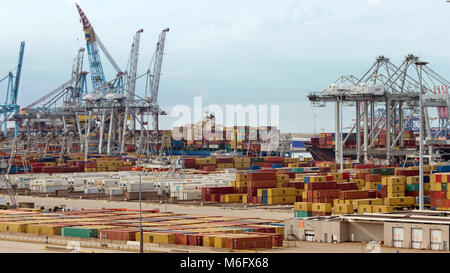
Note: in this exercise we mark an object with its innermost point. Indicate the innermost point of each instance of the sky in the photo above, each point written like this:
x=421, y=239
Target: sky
x=249, y=52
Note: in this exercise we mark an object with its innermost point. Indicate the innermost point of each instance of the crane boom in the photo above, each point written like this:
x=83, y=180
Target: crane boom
x=133, y=65
x=60, y=88
x=92, y=44
x=18, y=73
x=159, y=54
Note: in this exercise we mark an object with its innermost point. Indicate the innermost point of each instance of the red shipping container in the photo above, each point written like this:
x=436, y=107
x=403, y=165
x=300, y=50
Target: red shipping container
x=373, y=177
x=322, y=186
x=249, y=242
x=344, y=195
x=346, y=175
x=400, y=172
x=219, y=190
x=196, y=240
x=182, y=239
x=326, y=193
x=297, y=185
x=262, y=176
x=118, y=234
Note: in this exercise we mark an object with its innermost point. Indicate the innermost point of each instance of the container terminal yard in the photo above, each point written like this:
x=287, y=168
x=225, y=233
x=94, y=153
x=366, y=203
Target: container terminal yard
x=81, y=170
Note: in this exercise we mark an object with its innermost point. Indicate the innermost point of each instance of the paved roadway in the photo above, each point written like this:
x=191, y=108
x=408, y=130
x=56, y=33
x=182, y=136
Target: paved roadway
x=201, y=210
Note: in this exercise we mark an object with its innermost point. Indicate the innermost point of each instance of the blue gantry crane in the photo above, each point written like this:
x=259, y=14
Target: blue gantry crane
x=10, y=108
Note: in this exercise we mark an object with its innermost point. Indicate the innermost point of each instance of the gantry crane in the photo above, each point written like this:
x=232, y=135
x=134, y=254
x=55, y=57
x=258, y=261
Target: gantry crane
x=10, y=107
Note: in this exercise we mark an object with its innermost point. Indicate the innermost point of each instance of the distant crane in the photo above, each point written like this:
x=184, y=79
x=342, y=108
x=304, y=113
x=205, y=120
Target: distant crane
x=10, y=107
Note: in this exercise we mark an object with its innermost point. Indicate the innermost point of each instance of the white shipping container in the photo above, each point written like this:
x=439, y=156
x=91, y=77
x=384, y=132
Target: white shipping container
x=2, y=201
x=134, y=186
x=91, y=190
x=114, y=191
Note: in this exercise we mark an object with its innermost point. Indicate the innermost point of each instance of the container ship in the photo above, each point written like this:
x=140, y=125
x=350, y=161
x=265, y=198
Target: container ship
x=323, y=147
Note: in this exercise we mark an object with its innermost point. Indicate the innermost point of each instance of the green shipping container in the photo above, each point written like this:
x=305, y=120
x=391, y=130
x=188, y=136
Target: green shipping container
x=412, y=187
x=298, y=170
x=383, y=171
x=79, y=232
x=302, y=214
x=443, y=186
x=257, y=159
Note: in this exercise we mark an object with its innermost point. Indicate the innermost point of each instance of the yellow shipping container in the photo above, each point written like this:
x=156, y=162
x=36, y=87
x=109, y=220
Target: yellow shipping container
x=399, y=201
x=219, y=242
x=241, y=184
x=241, y=177
x=233, y=198
x=13, y=227
x=412, y=180
x=278, y=200
x=336, y=176
x=395, y=194
x=426, y=186
x=299, y=192
x=317, y=179
x=282, y=178
x=44, y=229
x=304, y=195
x=344, y=208
x=157, y=238
x=371, y=185
x=396, y=189
x=394, y=180
x=435, y=186
x=208, y=240
x=383, y=209
x=245, y=199
x=365, y=209
x=281, y=192
x=321, y=207
x=433, y=178
x=303, y=206
x=374, y=201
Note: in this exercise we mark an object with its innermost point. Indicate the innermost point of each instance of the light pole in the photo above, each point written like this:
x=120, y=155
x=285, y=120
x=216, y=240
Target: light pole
x=141, y=233
x=419, y=66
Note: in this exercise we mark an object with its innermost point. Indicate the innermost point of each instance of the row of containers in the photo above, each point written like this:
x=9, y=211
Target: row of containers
x=71, y=164
x=387, y=187
x=252, y=163
x=327, y=140
x=158, y=228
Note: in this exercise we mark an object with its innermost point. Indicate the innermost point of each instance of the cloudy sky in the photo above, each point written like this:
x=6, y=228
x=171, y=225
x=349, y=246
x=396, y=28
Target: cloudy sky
x=229, y=52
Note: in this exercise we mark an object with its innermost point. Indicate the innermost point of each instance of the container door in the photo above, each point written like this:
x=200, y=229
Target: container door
x=436, y=239
x=416, y=238
x=309, y=235
x=398, y=237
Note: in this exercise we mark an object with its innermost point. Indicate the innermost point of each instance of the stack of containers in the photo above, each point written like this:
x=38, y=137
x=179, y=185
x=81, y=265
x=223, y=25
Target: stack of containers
x=439, y=190
x=302, y=209
x=242, y=163
x=320, y=189
x=259, y=180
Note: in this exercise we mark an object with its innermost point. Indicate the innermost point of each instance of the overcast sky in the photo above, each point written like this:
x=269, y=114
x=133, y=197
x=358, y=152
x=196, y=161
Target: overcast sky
x=229, y=52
